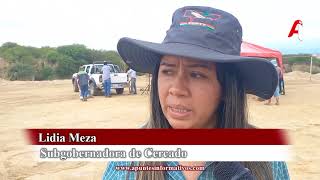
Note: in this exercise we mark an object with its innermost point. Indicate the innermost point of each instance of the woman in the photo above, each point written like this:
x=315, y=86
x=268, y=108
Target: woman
x=199, y=81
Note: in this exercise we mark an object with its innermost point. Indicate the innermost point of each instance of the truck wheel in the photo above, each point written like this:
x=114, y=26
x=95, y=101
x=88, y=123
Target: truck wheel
x=93, y=89
x=75, y=86
x=119, y=91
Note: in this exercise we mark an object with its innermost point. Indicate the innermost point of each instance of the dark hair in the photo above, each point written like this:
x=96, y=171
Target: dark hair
x=231, y=113
x=105, y=63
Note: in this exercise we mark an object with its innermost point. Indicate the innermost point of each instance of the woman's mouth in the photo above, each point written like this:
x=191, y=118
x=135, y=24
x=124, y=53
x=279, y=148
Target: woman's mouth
x=178, y=111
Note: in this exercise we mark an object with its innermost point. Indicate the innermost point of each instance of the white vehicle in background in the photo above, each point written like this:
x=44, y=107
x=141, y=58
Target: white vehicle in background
x=119, y=80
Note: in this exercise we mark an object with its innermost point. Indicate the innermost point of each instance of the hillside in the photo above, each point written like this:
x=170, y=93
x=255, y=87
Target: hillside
x=47, y=63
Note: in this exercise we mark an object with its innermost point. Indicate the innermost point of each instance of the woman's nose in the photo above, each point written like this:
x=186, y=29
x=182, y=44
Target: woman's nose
x=179, y=86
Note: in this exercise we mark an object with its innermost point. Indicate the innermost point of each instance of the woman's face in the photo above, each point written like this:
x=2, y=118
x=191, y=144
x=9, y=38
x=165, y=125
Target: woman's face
x=189, y=92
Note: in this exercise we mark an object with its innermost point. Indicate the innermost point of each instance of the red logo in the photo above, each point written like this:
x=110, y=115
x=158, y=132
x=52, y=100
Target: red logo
x=295, y=29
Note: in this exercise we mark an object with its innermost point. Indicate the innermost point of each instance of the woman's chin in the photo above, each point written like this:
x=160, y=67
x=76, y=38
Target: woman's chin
x=177, y=124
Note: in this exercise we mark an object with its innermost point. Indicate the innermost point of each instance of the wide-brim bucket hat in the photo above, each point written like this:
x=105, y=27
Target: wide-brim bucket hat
x=206, y=34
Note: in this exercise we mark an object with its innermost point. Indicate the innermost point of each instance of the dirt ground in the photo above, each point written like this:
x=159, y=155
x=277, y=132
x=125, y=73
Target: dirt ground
x=52, y=104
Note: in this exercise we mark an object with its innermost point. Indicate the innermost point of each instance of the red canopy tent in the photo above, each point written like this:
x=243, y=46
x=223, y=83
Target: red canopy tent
x=252, y=50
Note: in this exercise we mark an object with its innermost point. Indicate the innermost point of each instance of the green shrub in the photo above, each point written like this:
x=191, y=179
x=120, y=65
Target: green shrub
x=66, y=67
x=300, y=60
x=26, y=63
x=305, y=68
x=21, y=72
x=45, y=73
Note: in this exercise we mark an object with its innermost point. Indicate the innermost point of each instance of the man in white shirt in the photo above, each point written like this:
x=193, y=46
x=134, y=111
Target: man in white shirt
x=106, y=79
x=133, y=76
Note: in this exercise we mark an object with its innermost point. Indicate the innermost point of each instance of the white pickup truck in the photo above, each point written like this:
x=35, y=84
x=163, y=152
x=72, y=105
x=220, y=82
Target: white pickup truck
x=118, y=80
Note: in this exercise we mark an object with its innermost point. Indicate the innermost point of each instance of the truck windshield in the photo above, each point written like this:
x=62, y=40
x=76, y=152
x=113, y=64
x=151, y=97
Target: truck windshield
x=98, y=68
x=111, y=69
x=117, y=69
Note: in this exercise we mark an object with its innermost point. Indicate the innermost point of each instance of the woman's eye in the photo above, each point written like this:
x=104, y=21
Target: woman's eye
x=197, y=75
x=167, y=72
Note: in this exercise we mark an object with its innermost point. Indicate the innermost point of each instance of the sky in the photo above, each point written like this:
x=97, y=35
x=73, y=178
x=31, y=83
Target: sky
x=99, y=24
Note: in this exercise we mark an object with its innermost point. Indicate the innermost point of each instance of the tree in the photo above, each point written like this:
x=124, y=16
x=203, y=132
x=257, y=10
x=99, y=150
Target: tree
x=66, y=66
x=44, y=73
x=77, y=52
x=53, y=57
x=48, y=63
x=8, y=45
x=114, y=57
x=22, y=71
x=96, y=55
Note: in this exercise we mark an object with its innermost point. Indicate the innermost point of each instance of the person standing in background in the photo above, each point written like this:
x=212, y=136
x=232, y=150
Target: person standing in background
x=83, y=79
x=133, y=76
x=277, y=91
x=14, y=76
x=281, y=82
x=106, y=79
